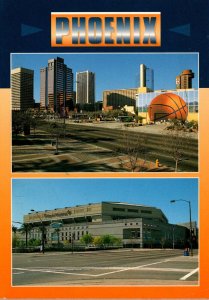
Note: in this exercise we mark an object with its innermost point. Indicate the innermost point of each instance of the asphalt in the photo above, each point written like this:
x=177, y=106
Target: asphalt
x=157, y=128
x=110, y=268
x=94, y=148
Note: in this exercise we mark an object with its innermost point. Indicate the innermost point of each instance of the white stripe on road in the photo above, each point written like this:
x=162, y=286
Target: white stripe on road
x=189, y=274
x=133, y=268
x=92, y=275
x=53, y=272
x=114, y=270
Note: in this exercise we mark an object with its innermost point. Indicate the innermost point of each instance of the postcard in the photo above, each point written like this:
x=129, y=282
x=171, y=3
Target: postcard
x=104, y=149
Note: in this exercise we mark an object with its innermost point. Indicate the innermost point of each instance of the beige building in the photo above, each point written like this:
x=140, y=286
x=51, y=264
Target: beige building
x=119, y=98
x=22, y=89
x=138, y=225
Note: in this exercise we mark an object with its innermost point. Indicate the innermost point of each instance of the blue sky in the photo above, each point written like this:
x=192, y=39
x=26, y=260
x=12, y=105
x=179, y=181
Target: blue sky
x=42, y=194
x=115, y=70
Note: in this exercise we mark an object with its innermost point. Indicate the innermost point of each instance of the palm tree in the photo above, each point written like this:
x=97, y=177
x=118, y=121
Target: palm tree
x=26, y=228
x=14, y=229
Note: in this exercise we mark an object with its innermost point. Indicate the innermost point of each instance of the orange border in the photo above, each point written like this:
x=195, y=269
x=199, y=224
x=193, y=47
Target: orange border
x=7, y=291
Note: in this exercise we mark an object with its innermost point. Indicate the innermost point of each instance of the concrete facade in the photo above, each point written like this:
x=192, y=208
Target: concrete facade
x=22, y=89
x=136, y=225
x=119, y=98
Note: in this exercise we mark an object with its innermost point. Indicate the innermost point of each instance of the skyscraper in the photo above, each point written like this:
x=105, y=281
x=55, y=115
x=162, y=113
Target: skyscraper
x=56, y=88
x=85, y=87
x=184, y=80
x=22, y=89
x=146, y=77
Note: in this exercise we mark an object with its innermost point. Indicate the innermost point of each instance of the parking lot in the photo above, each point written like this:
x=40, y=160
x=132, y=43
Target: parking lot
x=113, y=267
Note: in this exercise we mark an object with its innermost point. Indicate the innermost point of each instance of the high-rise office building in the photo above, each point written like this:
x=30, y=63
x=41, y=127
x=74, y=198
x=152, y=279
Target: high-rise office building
x=22, y=89
x=184, y=80
x=85, y=87
x=56, y=88
x=146, y=77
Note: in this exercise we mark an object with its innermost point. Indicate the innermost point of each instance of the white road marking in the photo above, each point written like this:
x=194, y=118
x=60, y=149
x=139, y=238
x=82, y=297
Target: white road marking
x=91, y=275
x=18, y=273
x=189, y=274
x=146, y=267
x=54, y=272
x=133, y=268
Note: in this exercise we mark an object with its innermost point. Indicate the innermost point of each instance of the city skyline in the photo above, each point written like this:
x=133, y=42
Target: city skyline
x=115, y=70
x=46, y=194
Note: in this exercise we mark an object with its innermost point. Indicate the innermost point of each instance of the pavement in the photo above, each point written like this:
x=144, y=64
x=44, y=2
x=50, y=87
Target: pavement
x=157, y=128
x=75, y=156
x=110, y=268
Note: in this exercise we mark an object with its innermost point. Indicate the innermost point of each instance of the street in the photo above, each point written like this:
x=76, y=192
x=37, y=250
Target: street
x=90, y=148
x=110, y=267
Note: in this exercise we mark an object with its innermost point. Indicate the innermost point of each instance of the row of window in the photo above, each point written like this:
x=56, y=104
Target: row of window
x=143, y=211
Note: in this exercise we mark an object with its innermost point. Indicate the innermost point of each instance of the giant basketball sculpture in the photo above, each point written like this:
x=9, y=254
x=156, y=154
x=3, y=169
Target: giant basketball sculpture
x=167, y=106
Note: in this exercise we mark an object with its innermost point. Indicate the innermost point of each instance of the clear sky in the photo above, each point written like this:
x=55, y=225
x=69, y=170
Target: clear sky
x=115, y=70
x=43, y=194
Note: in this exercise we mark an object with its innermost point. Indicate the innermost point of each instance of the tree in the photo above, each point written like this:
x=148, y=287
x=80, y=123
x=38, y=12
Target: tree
x=22, y=121
x=178, y=142
x=14, y=229
x=109, y=240
x=97, y=241
x=34, y=242
x=87, y=239
x=134, y=147
x=16, y=122
x=26, y=228
x=34, y=122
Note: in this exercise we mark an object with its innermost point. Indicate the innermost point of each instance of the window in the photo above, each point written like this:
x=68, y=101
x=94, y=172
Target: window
x=131, y=233
x=146, y=211
x=133, y=210
x=118, y=209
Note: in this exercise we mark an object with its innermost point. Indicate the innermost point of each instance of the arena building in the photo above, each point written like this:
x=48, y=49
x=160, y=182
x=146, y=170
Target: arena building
x=190, y=97
x=137, y=225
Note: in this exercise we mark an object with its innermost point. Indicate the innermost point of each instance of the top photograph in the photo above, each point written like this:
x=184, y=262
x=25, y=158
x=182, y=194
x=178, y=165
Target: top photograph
x=104, y=112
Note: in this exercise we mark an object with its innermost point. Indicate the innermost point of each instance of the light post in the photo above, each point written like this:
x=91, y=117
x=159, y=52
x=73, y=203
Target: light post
x=190, y=221
x=42, y=230
x=173, y=238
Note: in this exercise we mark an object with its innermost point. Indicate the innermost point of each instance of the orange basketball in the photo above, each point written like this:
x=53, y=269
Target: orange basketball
x=167, y=106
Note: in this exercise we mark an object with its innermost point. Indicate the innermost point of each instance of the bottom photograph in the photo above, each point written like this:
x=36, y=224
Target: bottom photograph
x=105, y=232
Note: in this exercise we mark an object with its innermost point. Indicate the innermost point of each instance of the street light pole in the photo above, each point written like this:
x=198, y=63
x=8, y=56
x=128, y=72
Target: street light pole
x=173, y=238
x=190, y=221
x=42, y=230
